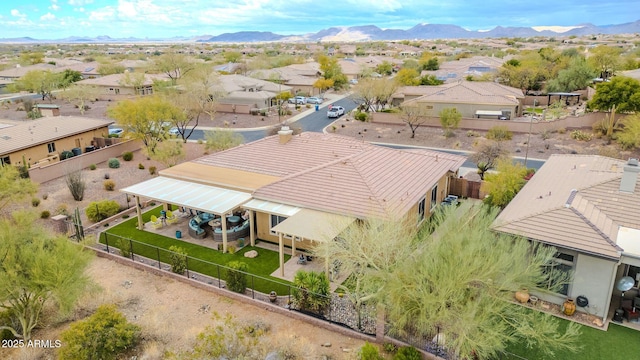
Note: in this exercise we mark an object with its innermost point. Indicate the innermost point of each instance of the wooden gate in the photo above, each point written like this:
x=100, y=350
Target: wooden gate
x=465, y=188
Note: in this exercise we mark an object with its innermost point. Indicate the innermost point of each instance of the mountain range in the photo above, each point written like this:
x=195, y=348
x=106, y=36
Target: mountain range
x=361, y=33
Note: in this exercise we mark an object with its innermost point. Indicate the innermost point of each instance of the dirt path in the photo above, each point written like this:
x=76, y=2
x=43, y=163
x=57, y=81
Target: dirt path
x=172, y=313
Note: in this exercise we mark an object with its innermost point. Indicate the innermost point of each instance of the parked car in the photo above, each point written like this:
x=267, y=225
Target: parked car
x=314, y=100
x=335, y=111
x=174, y=131
x=300, y=100
x=116, y=131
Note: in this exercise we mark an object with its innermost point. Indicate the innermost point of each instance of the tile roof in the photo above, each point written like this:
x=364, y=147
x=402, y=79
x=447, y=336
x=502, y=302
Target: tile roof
x=474, y=92
x=117, y=80
x=377, y=181
x=34, y=132
x=574, y=201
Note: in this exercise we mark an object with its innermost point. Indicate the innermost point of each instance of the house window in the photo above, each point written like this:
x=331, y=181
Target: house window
x=559, y=270
x=421, y=207
x=51, y=147
x=5, y=160
x=275, y=220
x=434, y=197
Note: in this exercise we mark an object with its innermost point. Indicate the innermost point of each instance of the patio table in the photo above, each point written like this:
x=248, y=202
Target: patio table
x=234, y=220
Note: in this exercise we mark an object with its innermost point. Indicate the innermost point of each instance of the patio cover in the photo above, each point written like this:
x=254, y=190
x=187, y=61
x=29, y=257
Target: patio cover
x=201, y=197
x=271, y=207
x=314, y=225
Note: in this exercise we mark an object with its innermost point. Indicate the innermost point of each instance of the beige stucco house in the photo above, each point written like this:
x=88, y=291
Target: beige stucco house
x=303, y=189
x=588, y=207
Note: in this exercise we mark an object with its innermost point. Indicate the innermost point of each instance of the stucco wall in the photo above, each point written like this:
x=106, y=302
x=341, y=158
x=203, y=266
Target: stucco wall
x=39, y=152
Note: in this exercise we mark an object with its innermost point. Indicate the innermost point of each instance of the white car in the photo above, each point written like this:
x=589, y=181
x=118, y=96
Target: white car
x=335, y=111
x=314, y=100
x=116, y=131
x=174, y=131
x=300, y=100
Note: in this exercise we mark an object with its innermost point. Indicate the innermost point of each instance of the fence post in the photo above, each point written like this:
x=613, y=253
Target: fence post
x=159, y=263
x=219, y=279
x=186, y=262
x=253, y=291
x=131, y=249
x=106, y=240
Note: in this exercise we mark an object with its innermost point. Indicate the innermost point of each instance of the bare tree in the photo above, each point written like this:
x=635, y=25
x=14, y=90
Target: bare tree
x=414, y=115
x=487, y=155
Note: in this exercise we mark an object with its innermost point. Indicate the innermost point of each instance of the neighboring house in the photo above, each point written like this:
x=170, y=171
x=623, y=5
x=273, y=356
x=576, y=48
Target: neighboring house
x=299, y=78
x=41, y=141
x=473, y=99
x=307, y=188
x=125, y=84
x=17, y=72
x=240, y=93
x=588, y=207
x=476, y=66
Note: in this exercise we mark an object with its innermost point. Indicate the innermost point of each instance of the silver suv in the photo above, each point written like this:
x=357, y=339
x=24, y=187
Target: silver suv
x=335, y=111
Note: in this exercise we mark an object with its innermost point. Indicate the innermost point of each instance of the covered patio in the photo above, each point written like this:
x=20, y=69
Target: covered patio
x=207, y=199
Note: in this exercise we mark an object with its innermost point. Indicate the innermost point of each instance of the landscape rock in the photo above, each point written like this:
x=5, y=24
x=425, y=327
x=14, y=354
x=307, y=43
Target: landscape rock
x=251, y=254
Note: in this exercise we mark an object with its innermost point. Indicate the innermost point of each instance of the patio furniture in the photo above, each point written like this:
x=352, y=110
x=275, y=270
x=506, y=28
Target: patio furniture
x=234, y=220
x=171, y=218
x=195, y=229
x=302, y=260
x=155, y=222
x=234, y=233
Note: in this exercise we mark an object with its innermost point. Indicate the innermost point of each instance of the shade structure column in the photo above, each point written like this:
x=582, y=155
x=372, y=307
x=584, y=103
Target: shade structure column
x=139, y=213
x=293, y=246
x=223, y=222
x=252, y=228
x=281, y=253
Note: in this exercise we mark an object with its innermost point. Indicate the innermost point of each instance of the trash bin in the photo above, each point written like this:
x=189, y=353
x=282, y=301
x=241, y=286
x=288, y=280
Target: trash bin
x=178, y=234
x=89, y=148
x=317, y=107
x=76, y=151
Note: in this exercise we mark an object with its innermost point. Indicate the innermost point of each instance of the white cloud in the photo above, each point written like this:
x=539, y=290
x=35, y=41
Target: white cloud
x=54, y=7
x=17, y=13
x=80, y=2
x=127, y=9
x=47, y=17
x=103, y=14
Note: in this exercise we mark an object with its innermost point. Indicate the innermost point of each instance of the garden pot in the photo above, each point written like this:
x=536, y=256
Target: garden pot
x=569, y=307
x=533, y=300
x=522, y=295
x=273, y=296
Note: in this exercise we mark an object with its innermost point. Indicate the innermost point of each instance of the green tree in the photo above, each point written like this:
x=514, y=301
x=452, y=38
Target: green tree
x=384, y=68
x=109, y=68
x=577, y=76
x=218, y=140
x=102, y=336
x=487, y=155
x=173, y=64
x=323, y=84
x=236, y=276
x=12, y=187
x=169, y=152
x=605, y=59
x=41, y=82
x=80, y=95
x=503, y=185
x=178, y=259
x=38, y=271
x=31, y=58
x=430, y=80
x=143, y=119
x=408, y=77
x=68, y=77
x=449, y=119
x=417, y=279
x=232, y=56
x=331, y=69
x=621, y=92
x=374, y=94
x=414, y=115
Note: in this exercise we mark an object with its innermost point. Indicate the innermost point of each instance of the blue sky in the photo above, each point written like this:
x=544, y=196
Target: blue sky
x=52, y=19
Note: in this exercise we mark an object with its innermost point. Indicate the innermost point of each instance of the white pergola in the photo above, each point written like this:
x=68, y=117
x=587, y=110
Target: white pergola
x=207, y=198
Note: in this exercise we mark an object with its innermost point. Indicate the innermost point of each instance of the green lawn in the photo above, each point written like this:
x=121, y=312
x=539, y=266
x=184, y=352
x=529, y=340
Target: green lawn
x=201, y=259
x=616, y=343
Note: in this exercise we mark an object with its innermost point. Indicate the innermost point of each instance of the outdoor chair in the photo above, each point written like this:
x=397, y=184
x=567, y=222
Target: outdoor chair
x=302, y=260
x=171, y=218
x=155, y=222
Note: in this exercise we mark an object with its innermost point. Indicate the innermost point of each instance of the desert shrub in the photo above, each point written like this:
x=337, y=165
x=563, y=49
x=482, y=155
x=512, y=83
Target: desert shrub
x=127, y=156
x=6, y=320
x=92, y=167
x=62, y=209
x=561, y=131
x=103, y=335
x=361, y=116
x=627, y=141
x=499, y=133
x=100, y=210
x=545, y=134
x=114, y=163
x=75, y=184
x=600, y=127
x=35, y=202
x=389, y=347
x=66, y=154
x=407, y=353
x=236, y=277
x=178, y=259
x=472, y=133
x=140, y=166
x=45, y=214
x=580, y=135
x=312, y=290
x=152, y=170
x=109, y=185
x=23, y=171
x=369, y=351
x=124, y=245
